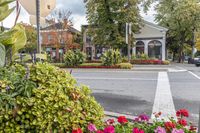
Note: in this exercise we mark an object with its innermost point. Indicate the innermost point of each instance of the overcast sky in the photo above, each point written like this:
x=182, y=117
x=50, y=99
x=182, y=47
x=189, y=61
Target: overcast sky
x=78, y=13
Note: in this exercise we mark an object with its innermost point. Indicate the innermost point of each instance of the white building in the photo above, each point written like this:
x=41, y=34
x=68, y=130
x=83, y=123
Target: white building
x=151, y=41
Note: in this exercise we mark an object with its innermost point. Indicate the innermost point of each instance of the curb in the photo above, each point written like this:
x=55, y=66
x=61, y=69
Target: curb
x=116, y=115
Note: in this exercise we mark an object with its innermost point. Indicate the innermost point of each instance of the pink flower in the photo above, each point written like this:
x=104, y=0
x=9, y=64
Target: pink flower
x=160, y=130
x=110, y=121
x=177, y=131
x=109, y=129
x=144, y=117
x=137, y=130
x=92, y=127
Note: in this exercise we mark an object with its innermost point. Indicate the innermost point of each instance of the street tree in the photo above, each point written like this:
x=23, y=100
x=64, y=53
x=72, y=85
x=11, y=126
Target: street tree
x=59, y=21
x=108, y=18
x=31, y=34
x=182, y=20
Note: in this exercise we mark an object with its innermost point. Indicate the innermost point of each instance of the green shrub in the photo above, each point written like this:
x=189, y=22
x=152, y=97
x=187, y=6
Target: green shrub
x=111, y=57
x=125, y=65
x=74, y=58
x=91, y=64
x=125, y=59
x=166, y=62
x=43, y=98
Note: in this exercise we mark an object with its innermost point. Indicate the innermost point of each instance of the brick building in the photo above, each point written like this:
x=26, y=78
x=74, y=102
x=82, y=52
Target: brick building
x=56, y=40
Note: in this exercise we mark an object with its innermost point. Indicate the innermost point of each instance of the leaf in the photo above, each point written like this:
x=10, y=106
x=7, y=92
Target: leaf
x=14, y=38
x=4, y=9
x=2, y=55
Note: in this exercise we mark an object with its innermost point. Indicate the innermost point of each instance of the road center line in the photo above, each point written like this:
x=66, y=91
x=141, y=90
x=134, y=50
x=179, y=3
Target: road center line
x=194, y=75
x=163, y=99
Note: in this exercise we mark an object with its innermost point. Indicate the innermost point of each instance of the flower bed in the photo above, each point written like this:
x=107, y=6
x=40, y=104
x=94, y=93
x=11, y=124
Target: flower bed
x=155, y=62
x=141, y=124
x=96, y=65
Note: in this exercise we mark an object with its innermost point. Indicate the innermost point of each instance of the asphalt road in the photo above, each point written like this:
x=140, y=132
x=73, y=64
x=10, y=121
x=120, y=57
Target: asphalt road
x=133, y=92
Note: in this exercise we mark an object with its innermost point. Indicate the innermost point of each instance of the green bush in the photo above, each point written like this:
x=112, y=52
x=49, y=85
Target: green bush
x=111, y=57
x=125, y=65
x=43, y=98
x=166, y=62
x=91, y=64
x=74, y=58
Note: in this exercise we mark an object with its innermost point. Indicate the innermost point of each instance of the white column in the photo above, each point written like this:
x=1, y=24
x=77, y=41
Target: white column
x=145, y=47
x=134, y=49
x=164, y=46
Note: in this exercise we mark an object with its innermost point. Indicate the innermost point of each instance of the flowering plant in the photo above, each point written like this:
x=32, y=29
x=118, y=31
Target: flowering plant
x=141, y=124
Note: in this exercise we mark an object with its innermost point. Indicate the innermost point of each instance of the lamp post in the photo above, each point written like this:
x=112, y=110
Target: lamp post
x=128, y=37
x=38, y=25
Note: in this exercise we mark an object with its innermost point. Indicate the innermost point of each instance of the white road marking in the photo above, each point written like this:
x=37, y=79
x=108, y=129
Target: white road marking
x=163, y=99
x=194, y=75
x=107, y=78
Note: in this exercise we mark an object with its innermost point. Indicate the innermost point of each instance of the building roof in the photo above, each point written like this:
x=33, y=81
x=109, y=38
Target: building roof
x=58, y=26
x=153, y=25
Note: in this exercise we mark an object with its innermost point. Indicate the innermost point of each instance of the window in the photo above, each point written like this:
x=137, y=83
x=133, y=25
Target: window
x=50, y=37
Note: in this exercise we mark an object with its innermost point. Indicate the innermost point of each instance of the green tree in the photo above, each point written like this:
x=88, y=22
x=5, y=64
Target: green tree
x=107, y=19
x=182, y=20
x=31, y=34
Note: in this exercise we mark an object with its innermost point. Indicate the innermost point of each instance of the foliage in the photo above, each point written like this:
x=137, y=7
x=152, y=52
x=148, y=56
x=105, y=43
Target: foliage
x=149, y=61
x=74, y=58
x=111, y=57
x=182, y=20
x=25, y=58
x=107, y=20
x=2, y=55
x=31, y=44
x=5, y=11
x=91, y=64
x=125, y=65
x=42, y=98
x=141, y=124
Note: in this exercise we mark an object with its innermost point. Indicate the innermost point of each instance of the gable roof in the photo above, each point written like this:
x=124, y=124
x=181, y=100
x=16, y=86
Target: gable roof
x=58, y=26
x=155, y=26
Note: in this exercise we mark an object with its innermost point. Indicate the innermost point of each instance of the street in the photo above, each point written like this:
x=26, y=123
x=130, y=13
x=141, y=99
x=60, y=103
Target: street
x=145, y=89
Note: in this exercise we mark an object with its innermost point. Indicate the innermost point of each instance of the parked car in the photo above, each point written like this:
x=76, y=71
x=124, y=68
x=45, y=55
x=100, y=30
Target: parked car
x=197, y=62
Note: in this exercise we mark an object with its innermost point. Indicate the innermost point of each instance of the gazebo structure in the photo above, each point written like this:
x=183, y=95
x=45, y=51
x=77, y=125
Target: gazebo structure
x=151, y=40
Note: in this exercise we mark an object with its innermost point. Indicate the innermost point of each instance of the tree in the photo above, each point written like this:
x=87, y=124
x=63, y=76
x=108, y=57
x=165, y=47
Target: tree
x=60, y=20
x=107, y=19
x=182, y=20
x=31, y=34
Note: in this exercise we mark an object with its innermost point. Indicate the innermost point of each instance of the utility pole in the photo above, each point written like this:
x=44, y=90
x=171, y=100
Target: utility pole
x=38, y=26
x=128, y=38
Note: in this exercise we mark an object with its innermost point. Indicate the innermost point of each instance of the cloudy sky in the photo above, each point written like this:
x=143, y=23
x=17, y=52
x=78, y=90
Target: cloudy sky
x=78, y=13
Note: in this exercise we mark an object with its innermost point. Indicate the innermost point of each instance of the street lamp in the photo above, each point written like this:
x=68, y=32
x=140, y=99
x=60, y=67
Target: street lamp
x=128, y=37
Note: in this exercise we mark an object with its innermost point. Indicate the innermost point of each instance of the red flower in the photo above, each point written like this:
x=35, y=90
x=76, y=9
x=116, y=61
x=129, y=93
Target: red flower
x=182, y=122
x=122, y=120
x=79, y=130
x=169, y=125
x=182, y=112
x=192, y=128
x=137, y=130
x=99, y=131
x=110, y=121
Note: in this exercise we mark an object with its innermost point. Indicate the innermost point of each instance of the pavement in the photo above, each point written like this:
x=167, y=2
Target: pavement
x=145, y=89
